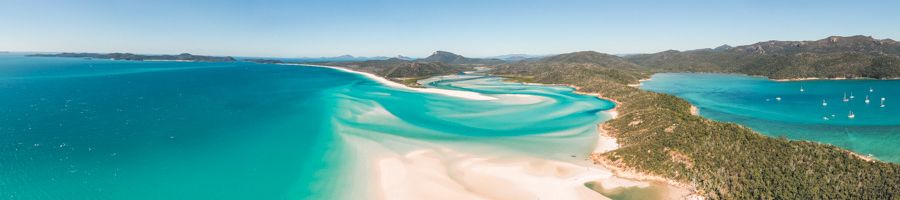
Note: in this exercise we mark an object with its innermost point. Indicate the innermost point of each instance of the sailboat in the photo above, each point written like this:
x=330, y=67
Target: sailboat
x=851, y=95
x=882, y=102
x=867, y=99
x=845, y=97
x=871, y=90
x=851, y=115
x=824, y=103
x=801, y=89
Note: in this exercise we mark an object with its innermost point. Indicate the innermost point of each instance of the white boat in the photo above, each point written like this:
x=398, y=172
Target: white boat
x=825, y=118
x=777, y=98
x=867, y=99
x=851, y=115
x=851, y=95
x=845, y=97
x=871, y=90
x=824, y=103
x=882, y=102
x=801, y=89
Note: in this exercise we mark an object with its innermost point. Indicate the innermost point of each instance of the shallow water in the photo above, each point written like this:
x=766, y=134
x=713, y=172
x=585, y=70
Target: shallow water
x=753, y=101
x=100, y=129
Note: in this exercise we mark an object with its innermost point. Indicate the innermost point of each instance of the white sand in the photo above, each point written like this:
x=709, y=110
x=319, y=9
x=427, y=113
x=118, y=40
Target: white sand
x=405, y=168
x=382, y=80
x=402, y=168
x=431, y=174
x=605, y=143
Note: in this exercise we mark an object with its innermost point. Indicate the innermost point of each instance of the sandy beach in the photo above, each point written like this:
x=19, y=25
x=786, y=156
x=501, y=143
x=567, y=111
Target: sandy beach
x=407, y=168
x=382, y=80
x=641, y=81
x=606, y=142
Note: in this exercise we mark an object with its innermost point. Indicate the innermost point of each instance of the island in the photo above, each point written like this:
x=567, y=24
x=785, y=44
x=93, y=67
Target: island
x=264, y=61
x=137, y=57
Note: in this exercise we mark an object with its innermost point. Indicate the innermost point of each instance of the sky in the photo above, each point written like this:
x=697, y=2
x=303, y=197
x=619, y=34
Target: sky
x=312, y=28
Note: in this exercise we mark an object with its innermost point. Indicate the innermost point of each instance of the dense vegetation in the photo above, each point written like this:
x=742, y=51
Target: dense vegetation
x=128, y=56
x=659, y=136
x=451, y=58
x=397, y=68
x=409, y=71
x=832, y=57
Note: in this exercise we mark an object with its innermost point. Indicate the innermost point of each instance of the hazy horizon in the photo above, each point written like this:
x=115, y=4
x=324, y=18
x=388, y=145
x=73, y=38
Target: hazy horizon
x=416, y=29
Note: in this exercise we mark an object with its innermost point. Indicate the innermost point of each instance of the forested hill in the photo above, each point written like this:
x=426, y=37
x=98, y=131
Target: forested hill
x=587, y=63
x=451, y=58
x=659, y=136
x=832, y=57
x=397, y=68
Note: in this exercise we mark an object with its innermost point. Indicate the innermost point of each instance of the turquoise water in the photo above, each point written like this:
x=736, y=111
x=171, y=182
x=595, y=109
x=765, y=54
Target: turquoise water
x=752, y=101
x=100, y=129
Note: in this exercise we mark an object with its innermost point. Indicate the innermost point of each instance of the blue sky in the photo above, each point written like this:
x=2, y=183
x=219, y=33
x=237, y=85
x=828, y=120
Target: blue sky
x=417, y=28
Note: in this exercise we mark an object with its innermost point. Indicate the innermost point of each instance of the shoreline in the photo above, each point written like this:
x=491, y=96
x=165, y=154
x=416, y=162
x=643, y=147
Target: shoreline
x=829, y=79
x=457, y=175
x=389, y=83
x=774, y=79
x=571, y=184
x=685, y=190
x=606, y=143
x=640, y=82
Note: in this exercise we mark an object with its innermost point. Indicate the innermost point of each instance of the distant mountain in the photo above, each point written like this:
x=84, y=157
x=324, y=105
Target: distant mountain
x=724, y=47
x=591, y=57
x=559, y=67
x=342, y=58
x=401, y=57
x=397, y=68
x=519, y=57
x=832, y=57
x=128, y=56
x=451, y=58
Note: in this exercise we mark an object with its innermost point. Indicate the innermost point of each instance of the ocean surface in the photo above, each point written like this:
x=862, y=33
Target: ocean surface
x=754, y=102
x=101, y=129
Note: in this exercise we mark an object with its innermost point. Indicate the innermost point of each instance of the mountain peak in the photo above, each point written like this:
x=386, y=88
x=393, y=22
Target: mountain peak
x=723, y=47
x=590, y=57
x=445, y=57
x=401, y=57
